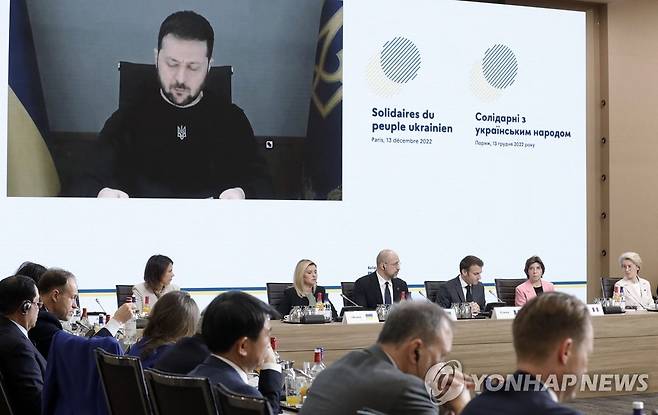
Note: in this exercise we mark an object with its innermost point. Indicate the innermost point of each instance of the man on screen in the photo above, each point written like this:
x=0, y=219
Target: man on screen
x=381, y=286
x=181, y=140
x=466, y=287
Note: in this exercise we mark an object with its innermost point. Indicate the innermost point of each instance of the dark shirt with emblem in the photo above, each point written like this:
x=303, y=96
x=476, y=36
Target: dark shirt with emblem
x=160, y=150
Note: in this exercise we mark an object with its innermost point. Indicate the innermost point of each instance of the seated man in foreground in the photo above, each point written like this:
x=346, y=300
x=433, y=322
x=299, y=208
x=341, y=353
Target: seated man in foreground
x=236, y=329
x=553, y=338
x=181, y=140
x=389, y=376
x=58, y=290
x=22, y=366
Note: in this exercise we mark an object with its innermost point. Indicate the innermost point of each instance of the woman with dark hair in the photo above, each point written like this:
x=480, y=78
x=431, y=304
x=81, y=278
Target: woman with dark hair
x=31, y=270
x=176, y=315
x=158, y=273
x=534, y=270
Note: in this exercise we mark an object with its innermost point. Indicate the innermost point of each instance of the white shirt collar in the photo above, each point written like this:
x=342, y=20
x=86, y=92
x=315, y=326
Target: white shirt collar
x=22, y=329
x=383, y=281
x=242, y=373
x=553, y=395
x=461, y=280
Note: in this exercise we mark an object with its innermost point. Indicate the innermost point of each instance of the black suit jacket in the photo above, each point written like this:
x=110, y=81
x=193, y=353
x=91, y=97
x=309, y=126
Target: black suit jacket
x=451, y=292
x=269, y=381
x=291, y=299
x=368, y=294
x=23, y=369
x=47, y=325
x=512, y=402
x=183, y=356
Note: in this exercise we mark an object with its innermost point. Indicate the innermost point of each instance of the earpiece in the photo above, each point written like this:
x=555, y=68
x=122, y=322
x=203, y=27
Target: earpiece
x=25, y=307
x=417, y=353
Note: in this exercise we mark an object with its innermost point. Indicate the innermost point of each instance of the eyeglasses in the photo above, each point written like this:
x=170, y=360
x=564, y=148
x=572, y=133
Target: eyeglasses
x=38, y=303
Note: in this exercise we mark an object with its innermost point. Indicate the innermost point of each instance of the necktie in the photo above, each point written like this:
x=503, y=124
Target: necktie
x=469, y=294
x=387, y=294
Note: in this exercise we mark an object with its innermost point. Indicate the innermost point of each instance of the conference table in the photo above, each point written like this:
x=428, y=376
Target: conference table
x=623, y=344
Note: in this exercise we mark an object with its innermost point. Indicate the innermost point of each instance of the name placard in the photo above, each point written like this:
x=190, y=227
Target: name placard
x=360, y=317
x=595, y=309
x=504, y=313
x=451, y=313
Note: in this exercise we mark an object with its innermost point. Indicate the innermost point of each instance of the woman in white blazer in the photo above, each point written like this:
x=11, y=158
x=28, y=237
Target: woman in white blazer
x=158, y=273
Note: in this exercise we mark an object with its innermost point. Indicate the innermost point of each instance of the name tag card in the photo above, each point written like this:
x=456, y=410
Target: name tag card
x=595, y=309
x=360, y=317
x=504, y=313
x=451, y=313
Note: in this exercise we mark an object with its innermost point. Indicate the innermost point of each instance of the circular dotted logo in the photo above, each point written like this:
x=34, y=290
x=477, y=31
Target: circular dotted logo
x=439, y=381
x=400, y=60
x=499, y=66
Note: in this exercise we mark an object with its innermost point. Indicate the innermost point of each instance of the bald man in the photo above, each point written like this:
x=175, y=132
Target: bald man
x=382, y=286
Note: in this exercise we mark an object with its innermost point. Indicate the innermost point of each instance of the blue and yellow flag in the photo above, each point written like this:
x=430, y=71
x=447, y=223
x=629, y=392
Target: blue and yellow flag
x=30, y=168
x=323, y=167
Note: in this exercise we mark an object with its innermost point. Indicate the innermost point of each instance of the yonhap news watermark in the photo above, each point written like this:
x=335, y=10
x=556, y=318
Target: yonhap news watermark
x=445, y=381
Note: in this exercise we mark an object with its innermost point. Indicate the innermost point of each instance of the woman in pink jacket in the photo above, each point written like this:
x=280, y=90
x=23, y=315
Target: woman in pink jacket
x=534, y=270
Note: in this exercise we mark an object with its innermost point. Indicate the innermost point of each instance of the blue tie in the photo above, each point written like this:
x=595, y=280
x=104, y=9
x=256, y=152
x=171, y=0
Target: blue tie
x=387, y=294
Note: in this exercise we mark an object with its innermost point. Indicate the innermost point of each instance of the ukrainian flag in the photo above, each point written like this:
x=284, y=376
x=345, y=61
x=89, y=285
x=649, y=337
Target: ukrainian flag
x=30, y=167
x=323, y=164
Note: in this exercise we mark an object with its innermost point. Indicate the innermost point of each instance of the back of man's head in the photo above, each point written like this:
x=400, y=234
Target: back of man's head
x=232, y=316
x=414, y=319
x=14, y=292
x=188, y=25
x=544, y=322
x=32, y=270
x=53, y=278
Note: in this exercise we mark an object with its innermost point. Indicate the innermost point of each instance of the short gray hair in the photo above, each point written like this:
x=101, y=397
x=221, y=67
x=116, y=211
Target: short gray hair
x=634, y=257
x=413, y=319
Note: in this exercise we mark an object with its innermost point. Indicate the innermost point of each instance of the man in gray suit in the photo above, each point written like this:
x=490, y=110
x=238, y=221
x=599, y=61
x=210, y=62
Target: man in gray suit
x=388, y=377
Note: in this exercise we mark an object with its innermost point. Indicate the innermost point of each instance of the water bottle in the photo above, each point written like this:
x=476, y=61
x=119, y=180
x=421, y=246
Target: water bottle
x=290, y=384
x=622, y=299
x=318, y=366
x=638, y=408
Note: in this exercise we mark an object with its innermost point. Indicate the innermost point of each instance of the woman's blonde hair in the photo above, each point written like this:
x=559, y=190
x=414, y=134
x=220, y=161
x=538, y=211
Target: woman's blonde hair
x=634, y=257
x=298, y=277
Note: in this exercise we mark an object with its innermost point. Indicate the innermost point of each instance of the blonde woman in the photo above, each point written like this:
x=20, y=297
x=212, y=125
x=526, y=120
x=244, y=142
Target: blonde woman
x=637, y=290
x=305, y=288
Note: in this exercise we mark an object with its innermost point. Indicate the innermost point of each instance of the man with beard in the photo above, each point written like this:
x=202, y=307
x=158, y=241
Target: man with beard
x=181, y=140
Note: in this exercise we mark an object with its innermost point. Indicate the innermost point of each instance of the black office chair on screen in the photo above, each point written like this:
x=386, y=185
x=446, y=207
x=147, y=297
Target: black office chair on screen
x=5, y=408
x=432, y=289
x=175, y=394
x=275, y=292
x=506, y=289
x=347, y=288
x=136, y=78
x=232, y=404
x=123, y=383
x=608, y=286
x=123, y=293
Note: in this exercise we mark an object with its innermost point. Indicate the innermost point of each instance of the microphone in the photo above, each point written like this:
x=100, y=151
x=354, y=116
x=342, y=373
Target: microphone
x=101, y=306
x=426, y=299
x=345, y=297
x=495, y=296
x=628, y=292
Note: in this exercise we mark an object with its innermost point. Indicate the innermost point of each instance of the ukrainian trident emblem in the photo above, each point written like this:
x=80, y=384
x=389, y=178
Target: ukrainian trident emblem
x=181, y=132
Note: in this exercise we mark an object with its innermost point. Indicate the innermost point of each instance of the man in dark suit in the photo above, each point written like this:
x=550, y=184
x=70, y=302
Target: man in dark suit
x=382, y=286
x=553, y=338
x=389, y=376
x=236, y=329
x=59, y=291
x=22, y=366
x=466, y=287
x=183, y=356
